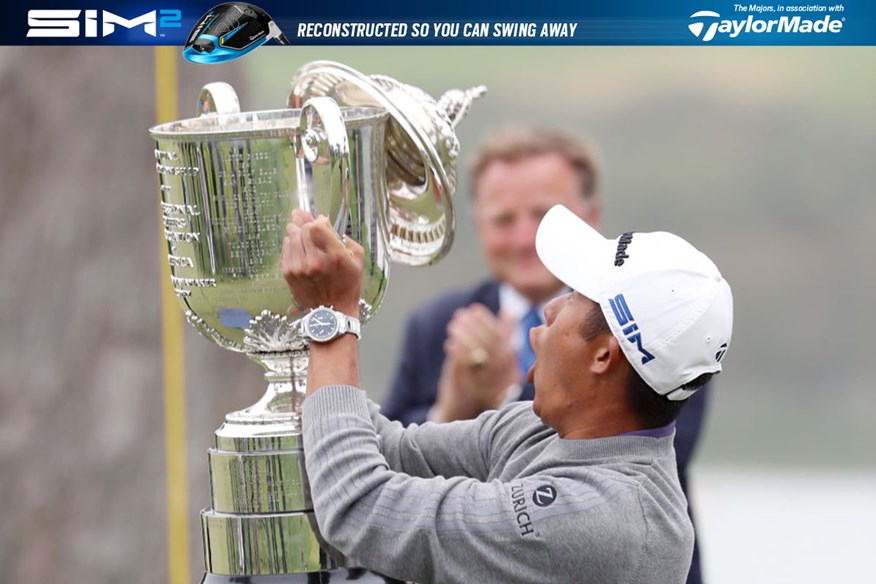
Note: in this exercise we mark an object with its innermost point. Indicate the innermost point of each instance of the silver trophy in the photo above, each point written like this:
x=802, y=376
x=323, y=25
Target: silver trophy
x=378, y=158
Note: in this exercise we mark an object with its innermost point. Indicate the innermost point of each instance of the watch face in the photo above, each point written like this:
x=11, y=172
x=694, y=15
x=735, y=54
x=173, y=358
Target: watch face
x=322, y=324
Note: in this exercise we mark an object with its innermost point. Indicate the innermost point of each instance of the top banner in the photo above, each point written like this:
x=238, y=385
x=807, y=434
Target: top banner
x=214, y=32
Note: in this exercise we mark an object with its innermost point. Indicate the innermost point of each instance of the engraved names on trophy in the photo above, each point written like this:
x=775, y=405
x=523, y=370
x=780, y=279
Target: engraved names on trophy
x=249, y=214
x=178, y=217
x=172, y=169
x=180, y=261
x=206, y=330
x=224, y=221
x=177, y=281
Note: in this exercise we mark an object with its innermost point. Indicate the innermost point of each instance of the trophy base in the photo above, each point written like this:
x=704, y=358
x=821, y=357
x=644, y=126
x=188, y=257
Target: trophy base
x=263, y=544
x=311, y=578
x=359, y=575
x=261, y=527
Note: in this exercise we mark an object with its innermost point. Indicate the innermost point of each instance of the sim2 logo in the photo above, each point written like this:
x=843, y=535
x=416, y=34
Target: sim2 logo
x=86, y=23
x=707, y=24
x=631, y=329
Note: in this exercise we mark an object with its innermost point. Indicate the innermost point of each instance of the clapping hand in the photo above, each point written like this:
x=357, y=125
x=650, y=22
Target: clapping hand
x=480, y=364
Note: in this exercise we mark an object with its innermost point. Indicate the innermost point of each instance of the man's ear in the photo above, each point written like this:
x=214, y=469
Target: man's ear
x=606, y=354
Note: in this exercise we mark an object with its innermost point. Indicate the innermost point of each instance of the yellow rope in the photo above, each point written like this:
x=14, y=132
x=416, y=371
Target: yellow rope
x=174, y=367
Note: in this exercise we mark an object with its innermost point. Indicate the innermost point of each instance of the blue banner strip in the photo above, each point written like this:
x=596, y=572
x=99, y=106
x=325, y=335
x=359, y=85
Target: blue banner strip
x=683, y=22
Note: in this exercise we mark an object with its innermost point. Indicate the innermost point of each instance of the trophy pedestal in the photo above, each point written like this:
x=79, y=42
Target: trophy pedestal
x=312, y=578
x=261, y=522
x=357, y=574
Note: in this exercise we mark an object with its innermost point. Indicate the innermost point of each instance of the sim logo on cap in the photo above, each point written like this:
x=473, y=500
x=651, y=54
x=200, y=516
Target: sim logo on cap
x=631, y=329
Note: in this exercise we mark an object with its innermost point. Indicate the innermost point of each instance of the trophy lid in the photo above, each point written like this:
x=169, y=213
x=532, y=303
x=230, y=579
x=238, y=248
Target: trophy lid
x=421, y=149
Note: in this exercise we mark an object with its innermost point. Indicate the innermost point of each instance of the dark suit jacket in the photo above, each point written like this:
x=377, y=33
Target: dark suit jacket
x=415, y=386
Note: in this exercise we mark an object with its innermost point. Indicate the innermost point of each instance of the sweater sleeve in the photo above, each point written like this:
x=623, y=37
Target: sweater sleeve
x=427, y=450
x=422, y=529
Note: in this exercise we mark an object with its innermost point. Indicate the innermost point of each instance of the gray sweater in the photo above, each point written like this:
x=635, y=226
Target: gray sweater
x=498, y=499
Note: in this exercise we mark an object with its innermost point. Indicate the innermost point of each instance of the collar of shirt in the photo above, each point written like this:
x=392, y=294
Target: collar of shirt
x=660, y=432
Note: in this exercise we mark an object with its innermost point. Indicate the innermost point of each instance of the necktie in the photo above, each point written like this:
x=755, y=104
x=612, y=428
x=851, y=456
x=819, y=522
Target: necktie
x=526, y=356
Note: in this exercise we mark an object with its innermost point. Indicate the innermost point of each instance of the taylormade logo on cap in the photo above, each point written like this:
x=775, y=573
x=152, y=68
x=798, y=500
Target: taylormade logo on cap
x=621, y=254
x=665, y=302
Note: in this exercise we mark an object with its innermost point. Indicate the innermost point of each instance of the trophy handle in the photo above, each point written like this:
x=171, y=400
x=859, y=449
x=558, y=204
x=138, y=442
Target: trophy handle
x=420, y=148
x=218, y=98
x=322, y=147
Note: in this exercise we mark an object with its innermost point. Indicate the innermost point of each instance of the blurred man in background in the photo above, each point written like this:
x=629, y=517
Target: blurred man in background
x=468, y=351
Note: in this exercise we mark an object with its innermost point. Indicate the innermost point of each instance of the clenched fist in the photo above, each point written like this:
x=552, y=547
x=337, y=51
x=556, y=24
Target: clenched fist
x=319, y=267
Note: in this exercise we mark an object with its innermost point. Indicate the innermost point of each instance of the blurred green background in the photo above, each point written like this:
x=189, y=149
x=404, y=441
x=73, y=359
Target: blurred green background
x=761, y=156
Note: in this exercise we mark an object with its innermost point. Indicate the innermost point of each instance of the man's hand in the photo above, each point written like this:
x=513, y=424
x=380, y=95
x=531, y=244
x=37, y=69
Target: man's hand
x=480, y=364
x=319, y=267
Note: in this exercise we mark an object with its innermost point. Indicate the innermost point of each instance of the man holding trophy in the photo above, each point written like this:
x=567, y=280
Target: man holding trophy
x=578, y=486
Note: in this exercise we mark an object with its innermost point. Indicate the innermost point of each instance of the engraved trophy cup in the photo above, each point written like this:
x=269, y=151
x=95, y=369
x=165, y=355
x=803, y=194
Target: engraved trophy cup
x=378, y=158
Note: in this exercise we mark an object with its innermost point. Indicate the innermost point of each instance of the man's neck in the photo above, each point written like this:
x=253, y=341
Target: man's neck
x=600, y=420
x=599, y=429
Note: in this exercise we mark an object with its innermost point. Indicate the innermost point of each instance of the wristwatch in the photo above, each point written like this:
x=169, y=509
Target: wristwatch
x=323, y=324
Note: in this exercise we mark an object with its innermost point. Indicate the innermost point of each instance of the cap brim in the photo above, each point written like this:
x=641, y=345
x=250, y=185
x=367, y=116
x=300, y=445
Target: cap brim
x=574, y=252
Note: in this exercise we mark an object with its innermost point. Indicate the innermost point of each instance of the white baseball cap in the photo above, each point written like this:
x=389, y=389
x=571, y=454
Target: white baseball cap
x=665, y=302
